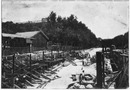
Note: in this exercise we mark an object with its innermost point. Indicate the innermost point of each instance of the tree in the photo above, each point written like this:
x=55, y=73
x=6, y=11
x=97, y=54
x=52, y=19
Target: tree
x=59, y=19
x=52, y=17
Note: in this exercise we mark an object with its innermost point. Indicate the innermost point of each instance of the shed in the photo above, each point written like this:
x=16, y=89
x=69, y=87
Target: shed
x=24, y=39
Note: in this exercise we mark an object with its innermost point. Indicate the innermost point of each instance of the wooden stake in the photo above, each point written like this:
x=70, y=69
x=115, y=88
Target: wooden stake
x=99, y=69
x=43, y=56
x=103, y=75
x=13, y=79
x=30, y=65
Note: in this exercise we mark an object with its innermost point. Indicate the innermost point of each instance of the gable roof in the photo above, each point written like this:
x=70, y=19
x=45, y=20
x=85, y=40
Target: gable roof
x=27, y=34
x=11, y=35
x=31, y=34
x=24, y=34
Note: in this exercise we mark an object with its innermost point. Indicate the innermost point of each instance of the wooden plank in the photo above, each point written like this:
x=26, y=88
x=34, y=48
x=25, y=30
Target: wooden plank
x=29, y=83
x=125, y=55
x=35, y=76
x=16, y=86
x=57, y=67
x=43, y=56
x=41, y=85
x=45, y=76
x=99, y=69
x=103, y=73
x=38, y=73
x=13, y=63
x=45, y=84
x=30, y=65
x=13, y=78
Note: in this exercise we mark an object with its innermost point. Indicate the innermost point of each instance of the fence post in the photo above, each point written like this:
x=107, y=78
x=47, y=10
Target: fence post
x=51, y=57
x=30, y=65
x=13, y=71
x=99, y=69
x=103, y=75
x=43, y=59
x=43, y=55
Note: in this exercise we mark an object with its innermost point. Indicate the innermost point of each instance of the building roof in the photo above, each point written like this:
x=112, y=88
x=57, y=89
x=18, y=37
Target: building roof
x=11, y=35
x=24, y=34
x=31, y=34
x=27, y=34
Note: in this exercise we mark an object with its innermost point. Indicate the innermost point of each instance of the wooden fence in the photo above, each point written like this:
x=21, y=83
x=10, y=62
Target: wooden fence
x=21, y=50
x=19, y=70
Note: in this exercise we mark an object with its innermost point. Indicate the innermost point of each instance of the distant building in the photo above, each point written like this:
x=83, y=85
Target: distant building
x=24, y=39
x=44, y=19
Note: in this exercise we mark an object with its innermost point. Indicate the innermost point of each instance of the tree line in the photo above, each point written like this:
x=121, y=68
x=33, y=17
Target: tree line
x=64, y=30
x=121, y=41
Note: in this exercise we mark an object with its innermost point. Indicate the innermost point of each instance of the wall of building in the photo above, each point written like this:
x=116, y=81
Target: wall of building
x=18, y=42
x=39, y=41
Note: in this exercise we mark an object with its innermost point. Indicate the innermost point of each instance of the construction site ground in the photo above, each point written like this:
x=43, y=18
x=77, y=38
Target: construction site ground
x=62, y=73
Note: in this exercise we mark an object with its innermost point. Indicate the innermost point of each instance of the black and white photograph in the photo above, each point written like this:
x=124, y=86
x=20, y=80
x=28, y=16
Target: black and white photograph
x=64, y=44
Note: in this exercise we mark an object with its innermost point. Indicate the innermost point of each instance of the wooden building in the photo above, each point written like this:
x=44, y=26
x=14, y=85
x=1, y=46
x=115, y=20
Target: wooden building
x=25, y=39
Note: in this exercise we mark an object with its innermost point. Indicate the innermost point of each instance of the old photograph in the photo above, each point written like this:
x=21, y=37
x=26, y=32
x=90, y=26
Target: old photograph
x=64, y=44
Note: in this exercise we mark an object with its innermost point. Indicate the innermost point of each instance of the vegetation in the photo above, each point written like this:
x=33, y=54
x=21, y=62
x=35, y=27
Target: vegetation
x=121, y=41
x=66, y=31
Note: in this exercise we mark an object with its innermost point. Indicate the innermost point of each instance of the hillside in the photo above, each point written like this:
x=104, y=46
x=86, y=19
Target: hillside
x=66, y=31
x=120, y=41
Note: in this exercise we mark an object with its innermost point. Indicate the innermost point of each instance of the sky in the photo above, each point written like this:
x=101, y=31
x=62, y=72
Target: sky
x=105, y=19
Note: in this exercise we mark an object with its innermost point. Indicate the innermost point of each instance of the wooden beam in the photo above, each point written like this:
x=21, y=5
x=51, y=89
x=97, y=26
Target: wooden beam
x=99, y=69
x=43, y=56
x=13, y=78
x=30, y=65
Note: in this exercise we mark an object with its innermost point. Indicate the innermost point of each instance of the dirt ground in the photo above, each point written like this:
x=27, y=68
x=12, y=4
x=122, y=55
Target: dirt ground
x=66, y=72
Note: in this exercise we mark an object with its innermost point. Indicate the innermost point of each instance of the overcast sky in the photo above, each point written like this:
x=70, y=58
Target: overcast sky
x=104, y=19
